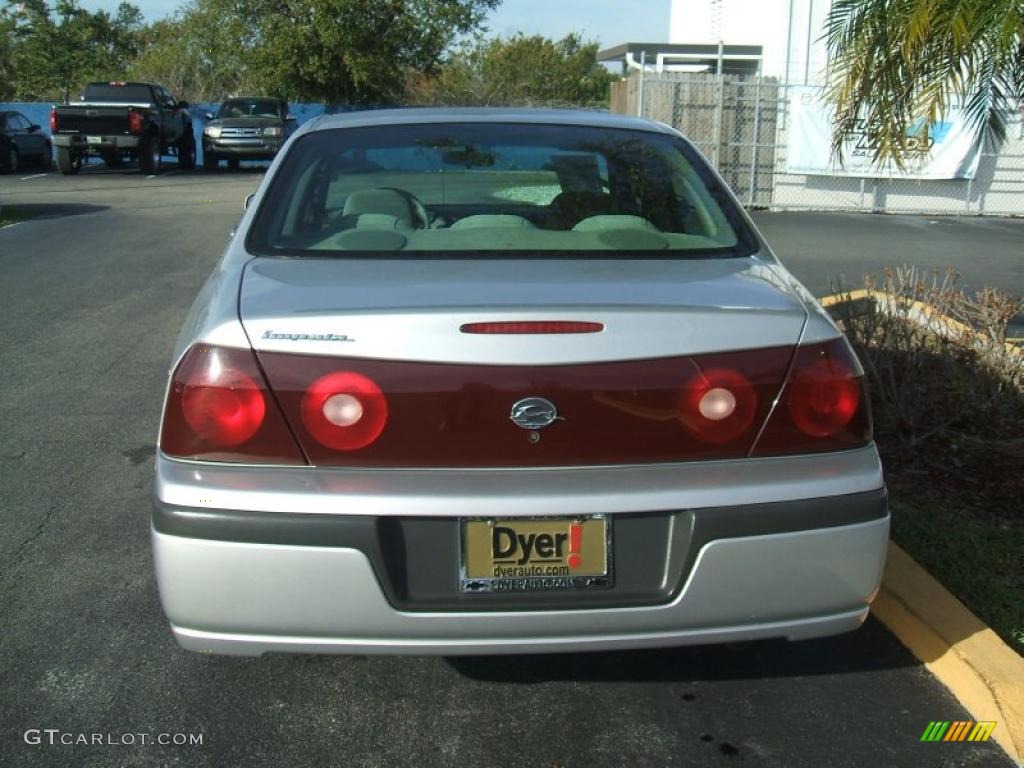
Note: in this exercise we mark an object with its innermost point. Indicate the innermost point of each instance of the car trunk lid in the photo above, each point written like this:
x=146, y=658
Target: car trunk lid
x=614, y=396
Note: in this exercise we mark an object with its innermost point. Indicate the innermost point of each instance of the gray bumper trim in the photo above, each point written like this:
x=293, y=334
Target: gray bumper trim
x=654, y=552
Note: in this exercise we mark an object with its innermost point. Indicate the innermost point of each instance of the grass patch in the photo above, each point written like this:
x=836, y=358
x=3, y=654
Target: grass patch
x=10, y=216
x=977, y=559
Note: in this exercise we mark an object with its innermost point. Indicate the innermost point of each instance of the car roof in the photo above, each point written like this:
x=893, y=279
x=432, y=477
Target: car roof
x=415, y=115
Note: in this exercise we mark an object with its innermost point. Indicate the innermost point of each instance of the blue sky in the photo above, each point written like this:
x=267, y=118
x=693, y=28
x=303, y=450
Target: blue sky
x=609, y=21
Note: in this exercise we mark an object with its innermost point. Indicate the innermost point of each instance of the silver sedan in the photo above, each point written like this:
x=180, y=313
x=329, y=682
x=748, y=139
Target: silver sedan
x=499, y=381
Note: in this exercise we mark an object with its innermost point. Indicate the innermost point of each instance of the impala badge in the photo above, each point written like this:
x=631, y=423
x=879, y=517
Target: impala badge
x=534, y=413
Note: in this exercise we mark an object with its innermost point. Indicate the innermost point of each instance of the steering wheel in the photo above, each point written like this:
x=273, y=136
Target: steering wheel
x=419, y=210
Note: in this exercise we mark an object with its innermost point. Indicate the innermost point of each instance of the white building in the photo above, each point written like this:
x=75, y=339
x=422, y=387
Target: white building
x=789, y=32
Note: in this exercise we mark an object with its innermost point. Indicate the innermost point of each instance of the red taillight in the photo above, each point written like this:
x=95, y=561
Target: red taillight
x=135, y=122
x=344, y=411
x=54, y=121
x=823, y=396
x=219, y=408
x=226, y=410
x=533, y=326
x=718, y=405
x=823, y=405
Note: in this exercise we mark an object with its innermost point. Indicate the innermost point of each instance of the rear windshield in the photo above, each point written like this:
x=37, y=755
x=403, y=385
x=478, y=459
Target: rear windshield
x=501, y=189
x=250, y=108
x=118, y=94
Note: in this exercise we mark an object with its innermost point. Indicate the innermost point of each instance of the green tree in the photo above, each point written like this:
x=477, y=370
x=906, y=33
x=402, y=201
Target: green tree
x=192, y=55
x=517, y=70
x=337, y=51
x=7, y=42
x=55, y=50
x=895, y=64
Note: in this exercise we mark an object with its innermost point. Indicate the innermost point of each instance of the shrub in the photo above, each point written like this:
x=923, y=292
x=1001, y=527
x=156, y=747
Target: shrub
x=936, y=358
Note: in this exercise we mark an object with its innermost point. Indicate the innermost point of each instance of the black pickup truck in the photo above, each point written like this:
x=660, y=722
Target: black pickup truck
x=122, y=121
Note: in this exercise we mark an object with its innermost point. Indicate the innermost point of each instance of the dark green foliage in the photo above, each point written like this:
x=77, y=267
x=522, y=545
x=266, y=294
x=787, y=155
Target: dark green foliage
x=518, y=70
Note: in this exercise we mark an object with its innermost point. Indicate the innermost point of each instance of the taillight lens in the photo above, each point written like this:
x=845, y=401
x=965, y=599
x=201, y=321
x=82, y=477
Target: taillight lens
x=219, y=408
x=718, y=405
x=823, y=397
x=344, y=410
x=823, y=405
x=54, y=121
x=135, y=122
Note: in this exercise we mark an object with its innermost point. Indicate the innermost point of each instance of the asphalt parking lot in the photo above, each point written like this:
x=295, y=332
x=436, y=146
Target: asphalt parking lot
x=93, y=292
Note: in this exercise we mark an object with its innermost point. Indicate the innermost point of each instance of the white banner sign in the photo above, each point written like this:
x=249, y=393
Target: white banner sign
x=952, y=152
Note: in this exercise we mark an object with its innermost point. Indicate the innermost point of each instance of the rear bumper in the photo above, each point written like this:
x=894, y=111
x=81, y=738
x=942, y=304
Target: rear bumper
x=248, y=599
x=251, y=560
x=96, y=143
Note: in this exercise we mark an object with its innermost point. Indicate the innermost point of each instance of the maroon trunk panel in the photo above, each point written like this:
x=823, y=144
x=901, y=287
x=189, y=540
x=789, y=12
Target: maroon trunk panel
x=445, y=415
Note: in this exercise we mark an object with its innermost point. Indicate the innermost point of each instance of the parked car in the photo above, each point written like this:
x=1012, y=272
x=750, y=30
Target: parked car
x=22, y=143
x=495, y=381
x=246, y=129
x=123, y=122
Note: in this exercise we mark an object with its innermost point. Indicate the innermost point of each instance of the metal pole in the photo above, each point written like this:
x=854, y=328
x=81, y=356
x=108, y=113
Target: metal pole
x=753, y=153
x=640, y=86
x=789, y=42
x=720, y=109
x=807, y=52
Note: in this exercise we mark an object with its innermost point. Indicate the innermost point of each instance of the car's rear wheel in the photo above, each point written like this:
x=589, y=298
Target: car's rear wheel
x=11, y=159
x=68, y=163
x=187, y=150
x=149, y=154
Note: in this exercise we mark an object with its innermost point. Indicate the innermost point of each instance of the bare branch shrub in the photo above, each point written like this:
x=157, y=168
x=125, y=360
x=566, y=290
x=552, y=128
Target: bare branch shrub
x=936, y=358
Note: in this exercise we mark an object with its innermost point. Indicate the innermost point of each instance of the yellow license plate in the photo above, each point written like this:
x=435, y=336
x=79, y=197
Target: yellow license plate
x=536, y=554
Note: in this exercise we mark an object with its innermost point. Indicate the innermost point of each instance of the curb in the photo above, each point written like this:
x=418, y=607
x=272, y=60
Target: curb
x=925, y=314
x=963, y=653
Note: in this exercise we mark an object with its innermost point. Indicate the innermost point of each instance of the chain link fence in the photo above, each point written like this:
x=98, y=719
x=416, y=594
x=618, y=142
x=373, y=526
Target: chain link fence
x=741, y=124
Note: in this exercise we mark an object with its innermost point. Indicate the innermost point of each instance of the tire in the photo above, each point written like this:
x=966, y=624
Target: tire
x=149, y=154
x=233, y=164
x=186, y=147
x=45, y=161
x=67, y=163
x=11, y=159
x=210, y=162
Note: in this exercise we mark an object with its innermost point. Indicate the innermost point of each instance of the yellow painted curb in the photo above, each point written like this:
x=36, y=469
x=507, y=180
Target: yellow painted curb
x=964, y=654
x=921, y=309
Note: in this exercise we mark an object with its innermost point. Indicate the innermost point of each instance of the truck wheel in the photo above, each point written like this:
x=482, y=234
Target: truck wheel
x=11, y=159
x=186, y=147
x=149, y=154
x=67, y=163
x=210, y=162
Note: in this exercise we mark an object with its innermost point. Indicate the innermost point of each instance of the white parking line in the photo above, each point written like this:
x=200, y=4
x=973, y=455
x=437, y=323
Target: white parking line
x=37, y=176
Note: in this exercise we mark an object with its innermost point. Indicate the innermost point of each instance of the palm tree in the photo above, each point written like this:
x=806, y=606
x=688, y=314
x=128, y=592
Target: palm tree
x=896, y=67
